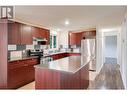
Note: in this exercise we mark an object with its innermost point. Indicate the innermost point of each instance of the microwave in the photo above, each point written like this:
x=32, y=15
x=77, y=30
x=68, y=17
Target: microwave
x=39, y=41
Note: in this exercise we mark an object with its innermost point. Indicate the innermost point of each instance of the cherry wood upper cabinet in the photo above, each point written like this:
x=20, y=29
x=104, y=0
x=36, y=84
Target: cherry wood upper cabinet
x=41, y=33
x=76, y=37
x=48, y=37
x=23, y=34
x=89, y=34
x=38, y=32
x=72, y=39
x=14, y=33
x=26, y=34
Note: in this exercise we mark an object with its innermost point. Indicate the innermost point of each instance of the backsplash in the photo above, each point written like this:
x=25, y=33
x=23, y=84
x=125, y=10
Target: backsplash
x=25, y=47
x=17, y=49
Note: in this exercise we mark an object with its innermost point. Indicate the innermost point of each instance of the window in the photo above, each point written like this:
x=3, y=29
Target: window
x=53, y=41
x=50, y=41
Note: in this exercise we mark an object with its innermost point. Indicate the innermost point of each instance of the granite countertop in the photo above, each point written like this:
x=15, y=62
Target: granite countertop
x=70, y=64
x=29, y=57
x=23, y=58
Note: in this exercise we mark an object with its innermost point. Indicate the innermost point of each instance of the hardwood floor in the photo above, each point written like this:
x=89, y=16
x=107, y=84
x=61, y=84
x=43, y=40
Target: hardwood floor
x=108, y=78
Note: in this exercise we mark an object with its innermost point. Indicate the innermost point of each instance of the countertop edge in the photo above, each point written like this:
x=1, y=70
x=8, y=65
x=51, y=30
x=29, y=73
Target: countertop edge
x=27, y=58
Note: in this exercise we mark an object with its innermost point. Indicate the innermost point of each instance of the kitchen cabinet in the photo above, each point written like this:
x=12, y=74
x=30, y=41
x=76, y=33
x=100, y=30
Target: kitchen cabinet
x=76, y=37
x=35, y=32
x=48, y=37
x=89, y=34
x=41, y=33
x=38, y=32
x=26, y=34
x=3, y=53
x=74, y=54
x=14, y=32
x=59, y=56
x=72, y=38
x=19, y=33
x=22, y=34
x=21, y=72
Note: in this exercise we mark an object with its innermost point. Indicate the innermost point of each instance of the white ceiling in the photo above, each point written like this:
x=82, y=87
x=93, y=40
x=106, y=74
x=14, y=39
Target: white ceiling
x=79, y=16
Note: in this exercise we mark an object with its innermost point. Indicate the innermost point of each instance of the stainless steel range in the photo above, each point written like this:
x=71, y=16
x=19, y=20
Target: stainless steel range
x=42, y=59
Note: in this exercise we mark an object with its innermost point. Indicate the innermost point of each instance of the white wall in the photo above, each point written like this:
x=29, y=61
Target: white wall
x=99, y=51
x=123, y=67
x=63, y=38
x=111, y=46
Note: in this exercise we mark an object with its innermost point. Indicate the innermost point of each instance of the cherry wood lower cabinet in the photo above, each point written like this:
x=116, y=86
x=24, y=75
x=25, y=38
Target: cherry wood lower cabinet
x=59, y=56
x=62, y=55
x=74, y=54
x=21, y=72
x=51, y=79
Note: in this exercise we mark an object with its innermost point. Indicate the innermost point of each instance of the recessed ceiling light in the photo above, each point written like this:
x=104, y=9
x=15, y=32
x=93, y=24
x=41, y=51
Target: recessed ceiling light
x=67, y=22
x=58, y=29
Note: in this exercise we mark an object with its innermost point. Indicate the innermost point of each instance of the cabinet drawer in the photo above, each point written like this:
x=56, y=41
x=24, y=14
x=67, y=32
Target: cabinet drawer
x=15, y=64
x=32, y=61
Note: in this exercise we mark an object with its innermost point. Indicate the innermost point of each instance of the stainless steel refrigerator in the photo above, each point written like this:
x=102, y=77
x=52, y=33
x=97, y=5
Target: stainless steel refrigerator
x=88, y=47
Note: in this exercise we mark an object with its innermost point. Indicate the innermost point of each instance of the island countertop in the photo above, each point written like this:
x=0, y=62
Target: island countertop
x=70, y=64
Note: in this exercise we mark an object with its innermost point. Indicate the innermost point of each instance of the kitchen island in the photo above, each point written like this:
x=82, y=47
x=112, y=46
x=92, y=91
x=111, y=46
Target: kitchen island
x=67, y=73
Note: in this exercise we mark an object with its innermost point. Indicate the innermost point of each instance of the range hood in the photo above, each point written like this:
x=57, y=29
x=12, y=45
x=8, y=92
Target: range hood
x=39, y=39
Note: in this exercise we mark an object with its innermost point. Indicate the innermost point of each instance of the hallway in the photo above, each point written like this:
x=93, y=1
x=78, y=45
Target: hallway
x=108, y=78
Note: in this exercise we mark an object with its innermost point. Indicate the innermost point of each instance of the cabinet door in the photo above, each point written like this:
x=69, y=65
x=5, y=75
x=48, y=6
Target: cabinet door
x=39, y=33
x=35, y=32
x=14, y=32
x=21, y=72
x=48, y=37
x=26, y=34
x=72, y=38
x=30, y=71
x=78, y=38
x=16, y=77
x=89, y=34
x=43, y=33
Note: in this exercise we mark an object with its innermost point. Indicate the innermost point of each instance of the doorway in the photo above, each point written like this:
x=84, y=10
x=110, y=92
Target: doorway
x=110, y=52
x=112, y=46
